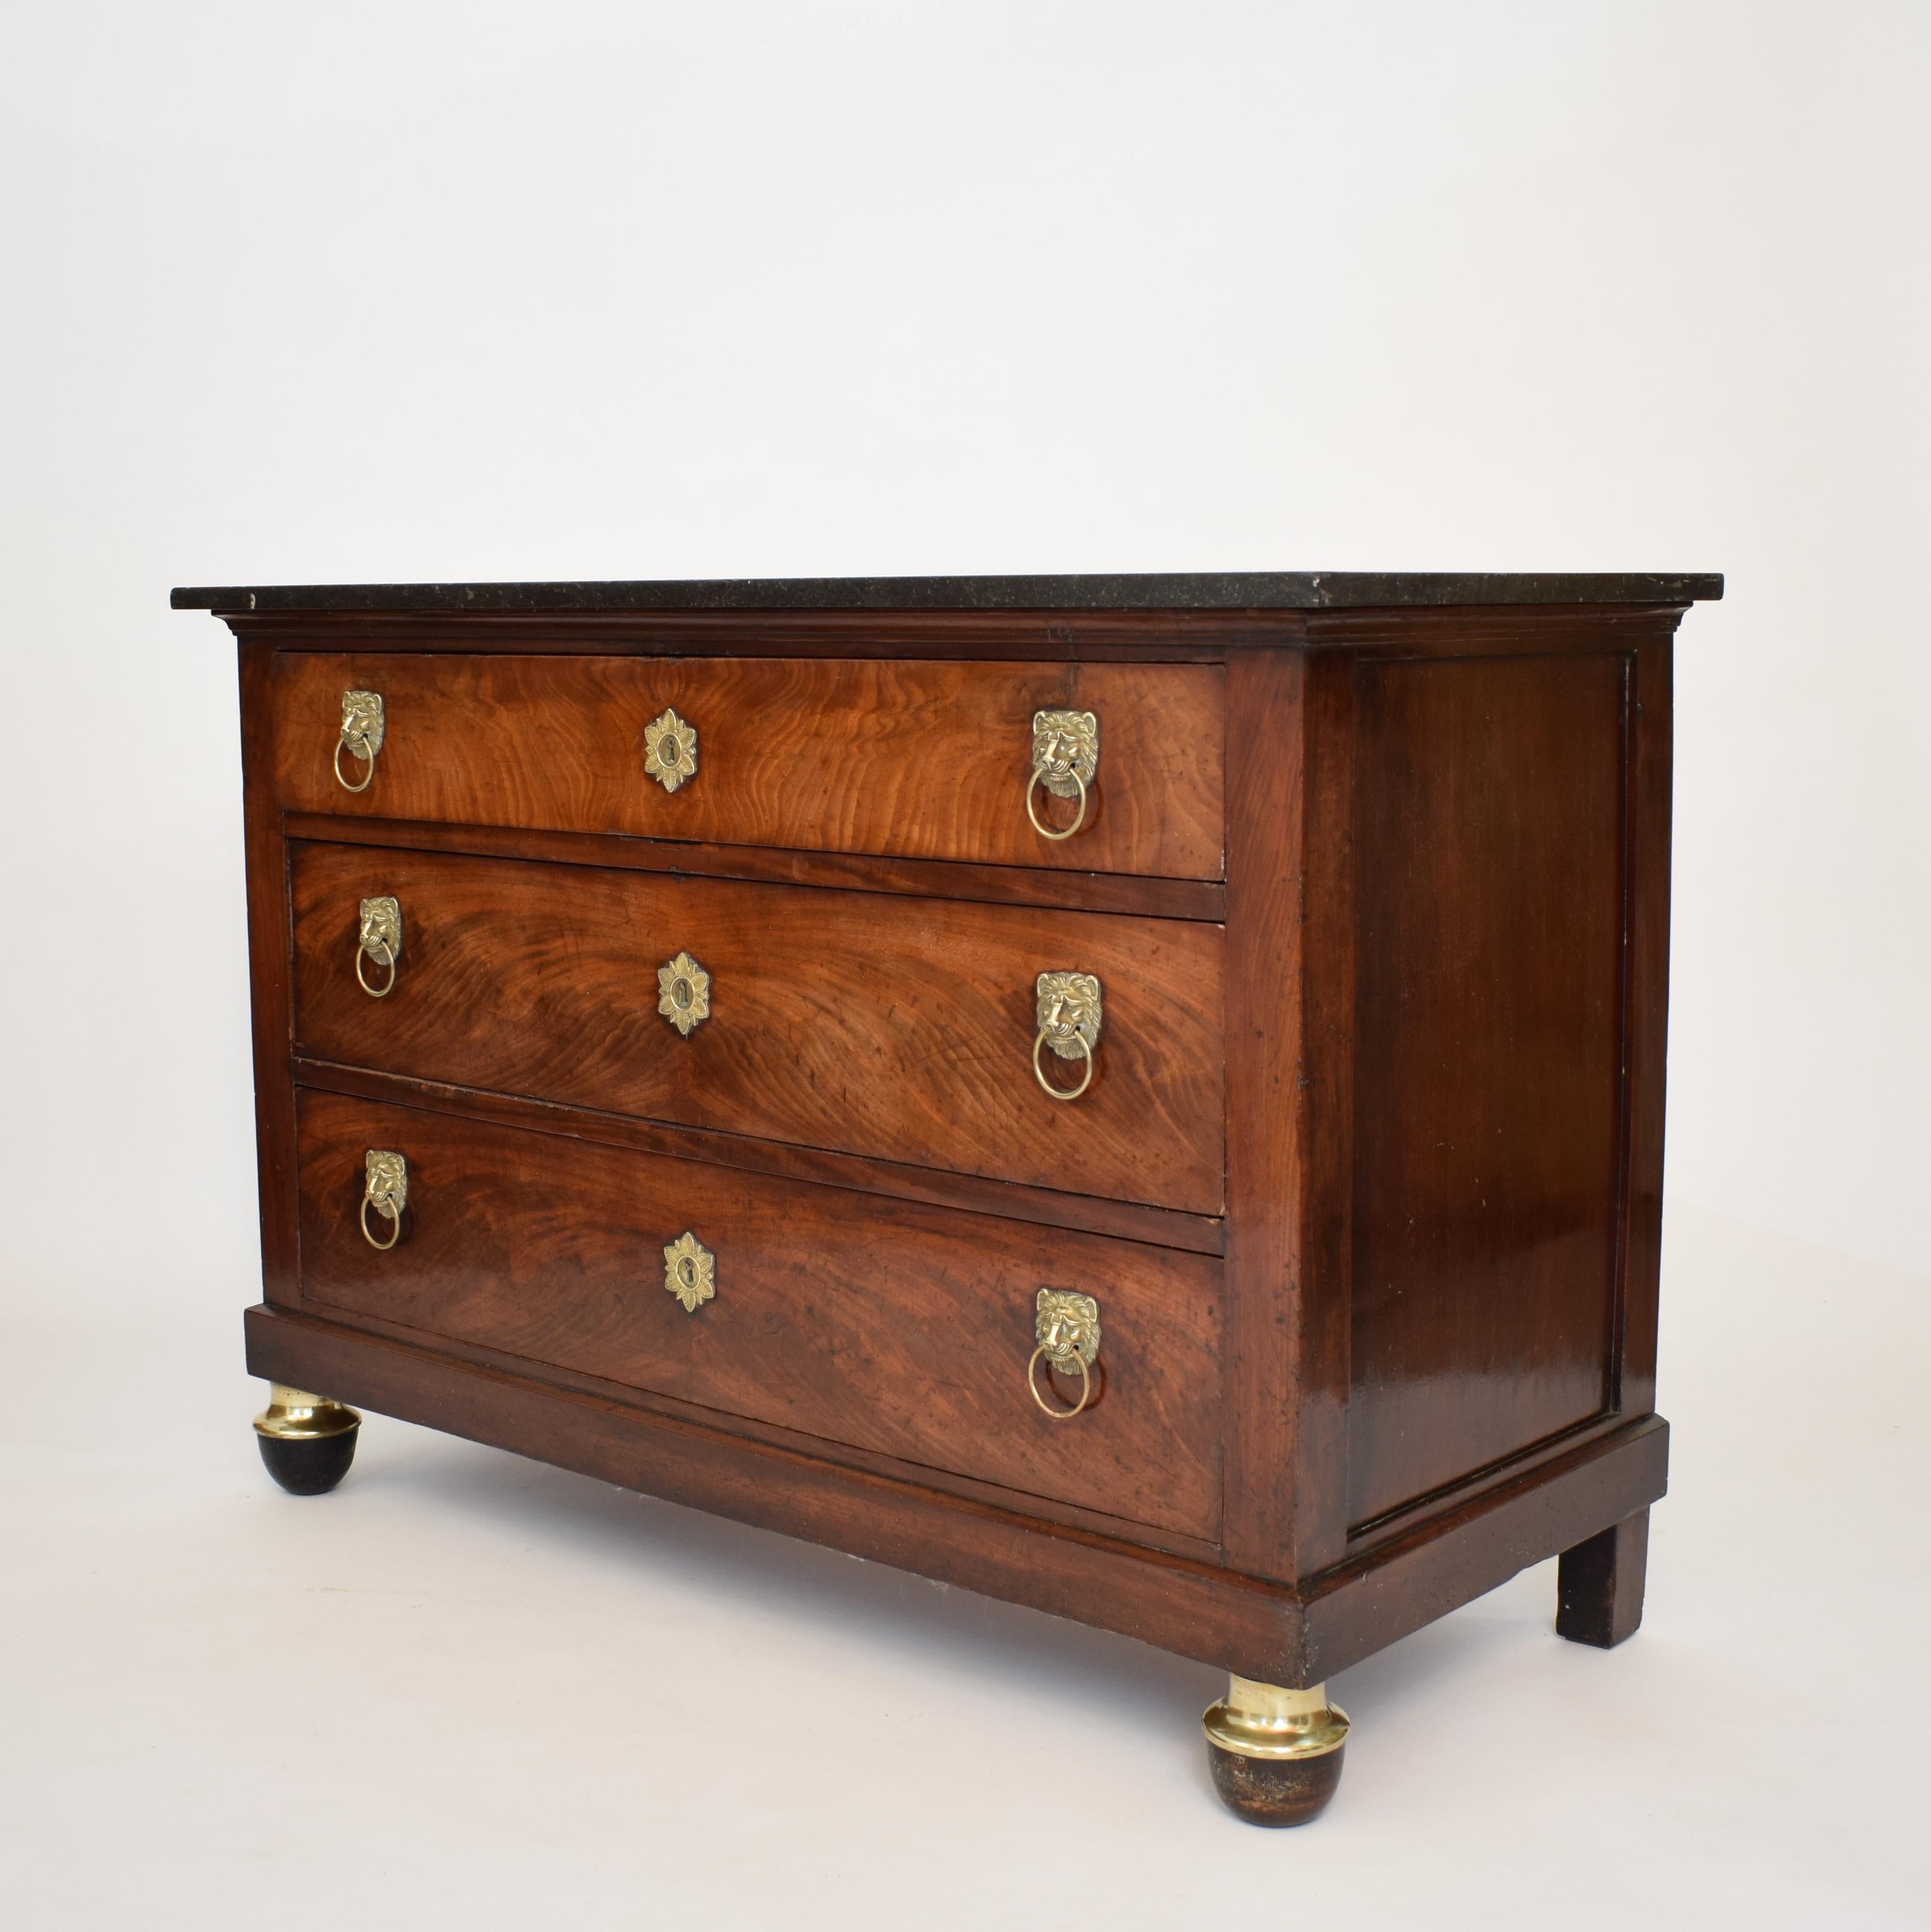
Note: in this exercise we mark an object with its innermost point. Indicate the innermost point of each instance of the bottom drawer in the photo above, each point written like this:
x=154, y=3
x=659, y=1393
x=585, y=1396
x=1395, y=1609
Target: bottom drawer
x=888, y=1326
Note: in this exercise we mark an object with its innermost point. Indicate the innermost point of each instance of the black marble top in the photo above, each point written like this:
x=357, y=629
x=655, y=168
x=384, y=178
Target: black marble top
x=1229, y=590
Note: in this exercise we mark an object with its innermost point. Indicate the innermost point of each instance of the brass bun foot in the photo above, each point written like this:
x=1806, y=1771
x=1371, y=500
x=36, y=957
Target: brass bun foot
x=307, y=1442
x=1276, y=1754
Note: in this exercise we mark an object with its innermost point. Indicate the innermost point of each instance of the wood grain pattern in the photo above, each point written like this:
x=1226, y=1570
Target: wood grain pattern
x=1647, y=1027
x=271, y=1004
x=1093, y=1213
x=1327, y=1042
x=923, y=761
x=988, y=636
x=902, y=1330
x=1399, y=1058
x=838, y=1020
x=1489, y=803
x=915, y=878
x=1268, y=1149
x=1266, y=1631
x=750, y=1429
x=1290, y=1040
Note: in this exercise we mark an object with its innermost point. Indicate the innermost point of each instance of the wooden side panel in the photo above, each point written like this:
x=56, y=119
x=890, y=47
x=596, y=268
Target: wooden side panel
x=901, y=1330
x=922, y=760
x=1327, y=1076
x=270, y=991
x=1490, y=838
x=1265, y=1109
x=902, y=1029
x=1290, y=991
x=1648, y=1023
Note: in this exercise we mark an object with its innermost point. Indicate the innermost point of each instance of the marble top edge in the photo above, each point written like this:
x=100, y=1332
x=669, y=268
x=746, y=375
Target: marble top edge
x=1234, y=590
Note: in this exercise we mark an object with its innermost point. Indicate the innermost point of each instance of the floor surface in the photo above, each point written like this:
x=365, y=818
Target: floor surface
x=469, y=1690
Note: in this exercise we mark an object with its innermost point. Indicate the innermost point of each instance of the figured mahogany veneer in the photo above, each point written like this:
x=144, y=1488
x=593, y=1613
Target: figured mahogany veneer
x=1489, y=1024
x=1367, y=1187
x=850, y=1021
x=899, y=1329
x=918, y=761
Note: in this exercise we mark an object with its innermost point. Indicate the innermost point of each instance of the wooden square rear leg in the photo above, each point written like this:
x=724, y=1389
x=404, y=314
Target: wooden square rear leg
x=1599, y=1589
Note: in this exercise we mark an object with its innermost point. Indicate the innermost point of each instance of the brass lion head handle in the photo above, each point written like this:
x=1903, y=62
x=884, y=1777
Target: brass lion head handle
x=362, y=736
x=1067, y=1008
x=385, y=1189
x=1065, y=755
x=1066, y=1326
x=379, y=939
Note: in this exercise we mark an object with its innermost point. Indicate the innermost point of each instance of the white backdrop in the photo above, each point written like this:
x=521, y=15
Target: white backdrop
x=418, y=291
x=385, y=289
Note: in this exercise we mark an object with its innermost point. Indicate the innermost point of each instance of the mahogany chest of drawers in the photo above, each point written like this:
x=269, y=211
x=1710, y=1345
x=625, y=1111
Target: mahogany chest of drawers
x=1141, y=1095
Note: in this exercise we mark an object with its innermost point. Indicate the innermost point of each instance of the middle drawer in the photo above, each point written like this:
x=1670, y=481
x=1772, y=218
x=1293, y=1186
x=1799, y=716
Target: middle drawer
x=897, y=1028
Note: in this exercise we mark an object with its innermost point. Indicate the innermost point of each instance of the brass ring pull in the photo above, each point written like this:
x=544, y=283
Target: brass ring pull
x=1066, y=1326
x=1079, y=816
x=1039, y=1071
x=360, y=747
x=382, y=956
x=1046, y=1409
x=379, y=937
x=395, y=1226
x=384, y=1187
x=362, y=728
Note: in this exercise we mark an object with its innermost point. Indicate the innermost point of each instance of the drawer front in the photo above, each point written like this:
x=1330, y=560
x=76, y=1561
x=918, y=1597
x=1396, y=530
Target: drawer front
x=900, y=1329
x=898, y=1028
x=917, y=760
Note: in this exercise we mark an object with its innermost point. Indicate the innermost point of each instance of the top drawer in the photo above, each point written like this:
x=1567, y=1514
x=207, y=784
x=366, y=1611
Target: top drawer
x=916, y=760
